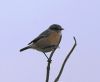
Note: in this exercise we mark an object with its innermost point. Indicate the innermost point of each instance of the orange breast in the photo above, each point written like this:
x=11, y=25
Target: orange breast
x=53, y=38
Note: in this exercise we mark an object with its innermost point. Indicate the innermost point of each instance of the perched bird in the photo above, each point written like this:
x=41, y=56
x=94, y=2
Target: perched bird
x=47, y=41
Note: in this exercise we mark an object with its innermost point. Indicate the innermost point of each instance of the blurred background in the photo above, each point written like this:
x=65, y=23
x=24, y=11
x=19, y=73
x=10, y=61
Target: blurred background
x=23, y=20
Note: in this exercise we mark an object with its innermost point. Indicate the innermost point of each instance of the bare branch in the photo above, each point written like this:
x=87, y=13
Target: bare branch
x=67, y=57
x=48, y=66
x=49, y=62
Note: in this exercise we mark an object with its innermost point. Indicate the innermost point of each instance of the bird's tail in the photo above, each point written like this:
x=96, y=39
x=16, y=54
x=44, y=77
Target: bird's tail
x=25, y=48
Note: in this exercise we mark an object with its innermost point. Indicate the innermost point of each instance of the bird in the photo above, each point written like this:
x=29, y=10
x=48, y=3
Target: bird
x=47, y=41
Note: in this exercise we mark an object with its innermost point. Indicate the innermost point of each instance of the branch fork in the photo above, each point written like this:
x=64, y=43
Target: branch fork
x=63, y=64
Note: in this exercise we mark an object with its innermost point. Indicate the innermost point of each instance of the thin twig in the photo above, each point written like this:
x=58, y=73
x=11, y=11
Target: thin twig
x=48, y=66
x=67, y=57
x=49, y=61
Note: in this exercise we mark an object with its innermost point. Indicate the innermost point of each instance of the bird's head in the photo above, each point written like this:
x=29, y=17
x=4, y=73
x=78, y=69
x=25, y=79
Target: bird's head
x=55, y=27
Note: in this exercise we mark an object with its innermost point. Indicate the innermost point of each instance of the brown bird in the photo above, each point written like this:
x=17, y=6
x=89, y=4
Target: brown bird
x=47, y=41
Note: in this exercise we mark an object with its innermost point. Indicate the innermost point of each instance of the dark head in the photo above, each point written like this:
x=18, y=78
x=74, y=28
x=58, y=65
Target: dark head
x=56, y=27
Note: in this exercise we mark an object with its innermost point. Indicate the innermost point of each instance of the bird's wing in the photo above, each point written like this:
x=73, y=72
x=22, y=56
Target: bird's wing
x=42, y=35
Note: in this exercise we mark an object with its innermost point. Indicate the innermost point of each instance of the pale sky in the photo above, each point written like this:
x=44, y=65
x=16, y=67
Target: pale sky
x=23, y=20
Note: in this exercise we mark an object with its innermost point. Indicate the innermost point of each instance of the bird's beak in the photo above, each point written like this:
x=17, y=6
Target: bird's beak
x=62, y=28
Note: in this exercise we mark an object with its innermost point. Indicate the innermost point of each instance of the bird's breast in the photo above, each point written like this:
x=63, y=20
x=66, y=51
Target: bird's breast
x=51, y=40
x=54, y=38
